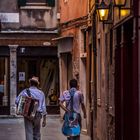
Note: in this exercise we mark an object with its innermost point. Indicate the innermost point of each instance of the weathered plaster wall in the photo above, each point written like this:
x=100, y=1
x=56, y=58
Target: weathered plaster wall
x=29, y=17
x=40, y=18
x=8, y=6
x=71, y=24
x=72, y=9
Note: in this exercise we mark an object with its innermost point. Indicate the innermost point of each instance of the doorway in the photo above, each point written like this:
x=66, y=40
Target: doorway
x=4, y=86
x=126, y=104
x=46, y=68
x=66, y=70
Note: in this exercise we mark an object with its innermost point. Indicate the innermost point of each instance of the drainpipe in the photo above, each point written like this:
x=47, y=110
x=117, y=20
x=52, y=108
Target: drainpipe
x=93, y=79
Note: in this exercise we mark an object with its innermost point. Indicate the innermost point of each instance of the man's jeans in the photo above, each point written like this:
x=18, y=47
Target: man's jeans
x=32, y=128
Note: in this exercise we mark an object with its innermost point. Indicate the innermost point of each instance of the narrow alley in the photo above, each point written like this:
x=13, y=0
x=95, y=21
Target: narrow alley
x=13, y=129
x=94, y=43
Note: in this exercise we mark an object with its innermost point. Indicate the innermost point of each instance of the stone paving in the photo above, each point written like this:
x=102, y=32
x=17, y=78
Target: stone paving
x=13, y=129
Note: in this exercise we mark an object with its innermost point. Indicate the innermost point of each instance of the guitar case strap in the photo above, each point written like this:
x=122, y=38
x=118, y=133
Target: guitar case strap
x=71, y=102
x=28, y=92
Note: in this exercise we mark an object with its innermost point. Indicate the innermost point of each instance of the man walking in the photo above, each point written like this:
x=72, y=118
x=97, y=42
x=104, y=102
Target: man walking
x=78, y=101
x=32, y=127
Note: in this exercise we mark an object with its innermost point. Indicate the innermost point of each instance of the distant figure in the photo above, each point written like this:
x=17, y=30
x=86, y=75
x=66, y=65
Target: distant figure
x=32, y=127
x=1, y=92
x=76, y=97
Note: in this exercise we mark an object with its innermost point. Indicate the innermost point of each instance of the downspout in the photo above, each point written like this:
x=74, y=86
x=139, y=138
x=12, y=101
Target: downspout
x=93, y=78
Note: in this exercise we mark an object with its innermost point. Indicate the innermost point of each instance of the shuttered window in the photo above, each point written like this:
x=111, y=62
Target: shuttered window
x=36, y=1
x=22, y=2
x=50, y=3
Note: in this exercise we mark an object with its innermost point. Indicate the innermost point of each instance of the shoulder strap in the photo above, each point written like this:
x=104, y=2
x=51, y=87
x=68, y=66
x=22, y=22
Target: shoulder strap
x=28, y=92
x=71, y=101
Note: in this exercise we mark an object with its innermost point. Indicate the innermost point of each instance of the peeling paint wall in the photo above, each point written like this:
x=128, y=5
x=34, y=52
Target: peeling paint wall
x=40, y=17
x=72, y=9
x=72, y=21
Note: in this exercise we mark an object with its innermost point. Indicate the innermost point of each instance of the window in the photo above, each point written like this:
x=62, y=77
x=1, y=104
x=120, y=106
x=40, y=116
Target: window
x=85, y=40
x=50, y=3
x=3, y=81
x=35, y=2
x=99, y=77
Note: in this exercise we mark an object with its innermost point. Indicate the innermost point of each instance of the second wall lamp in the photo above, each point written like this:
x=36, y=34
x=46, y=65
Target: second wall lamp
x=105, y=11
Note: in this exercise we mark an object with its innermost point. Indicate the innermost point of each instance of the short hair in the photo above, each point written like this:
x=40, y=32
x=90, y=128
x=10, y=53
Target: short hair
x=33, y=83
x=73, y=83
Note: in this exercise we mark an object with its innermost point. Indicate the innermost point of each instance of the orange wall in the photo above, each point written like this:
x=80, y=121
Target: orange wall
x=73, y=9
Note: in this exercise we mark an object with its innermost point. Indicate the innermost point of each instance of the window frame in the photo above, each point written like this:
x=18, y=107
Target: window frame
x=26, y=3
x=29, y=3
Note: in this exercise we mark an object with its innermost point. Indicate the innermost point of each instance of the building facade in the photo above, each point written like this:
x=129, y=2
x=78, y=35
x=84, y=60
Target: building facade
x=72, y=43
x=115, y=70
x=27, y=49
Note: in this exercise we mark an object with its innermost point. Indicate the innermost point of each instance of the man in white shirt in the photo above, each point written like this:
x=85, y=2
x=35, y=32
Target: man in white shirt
x=32, y=127
x=78, y=102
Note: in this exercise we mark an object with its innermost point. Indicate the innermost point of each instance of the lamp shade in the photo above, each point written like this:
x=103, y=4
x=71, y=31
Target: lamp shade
x=120, y=2
x=103, y=11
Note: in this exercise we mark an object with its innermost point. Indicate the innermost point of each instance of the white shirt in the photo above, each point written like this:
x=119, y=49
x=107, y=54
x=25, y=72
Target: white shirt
x=78, y=99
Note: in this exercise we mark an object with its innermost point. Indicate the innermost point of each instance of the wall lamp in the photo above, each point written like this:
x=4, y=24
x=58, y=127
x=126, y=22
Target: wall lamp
x=105, y=11
x=119, y=3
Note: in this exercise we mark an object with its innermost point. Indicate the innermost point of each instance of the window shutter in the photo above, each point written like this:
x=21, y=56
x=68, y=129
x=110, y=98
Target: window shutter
x=51, y=3
x=22, y=2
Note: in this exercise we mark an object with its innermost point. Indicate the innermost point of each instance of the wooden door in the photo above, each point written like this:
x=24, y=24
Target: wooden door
x=126, y=93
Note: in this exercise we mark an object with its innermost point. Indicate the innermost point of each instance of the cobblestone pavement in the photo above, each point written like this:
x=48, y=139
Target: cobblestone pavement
x=13, y=129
